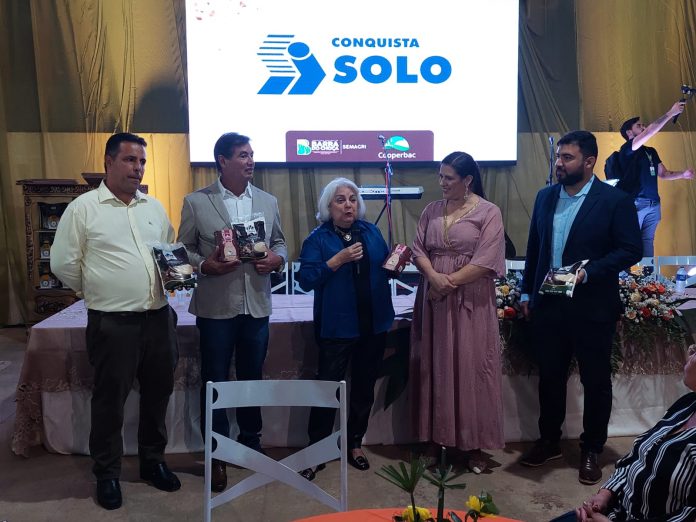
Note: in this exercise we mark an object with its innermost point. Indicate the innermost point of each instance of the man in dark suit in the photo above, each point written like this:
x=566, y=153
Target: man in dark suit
x=579, y=218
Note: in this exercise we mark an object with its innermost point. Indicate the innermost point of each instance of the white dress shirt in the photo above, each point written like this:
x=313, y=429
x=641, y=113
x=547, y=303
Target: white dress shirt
x=239, y=210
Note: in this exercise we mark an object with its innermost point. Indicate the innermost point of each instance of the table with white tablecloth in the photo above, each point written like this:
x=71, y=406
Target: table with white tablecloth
x=53, y=393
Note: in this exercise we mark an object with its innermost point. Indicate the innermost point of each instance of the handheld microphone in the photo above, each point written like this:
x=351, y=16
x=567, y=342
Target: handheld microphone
x=685, y=89
x=382, y=138
x=356, y=238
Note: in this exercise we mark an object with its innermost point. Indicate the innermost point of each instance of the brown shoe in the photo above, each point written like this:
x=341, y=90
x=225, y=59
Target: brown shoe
x=590, y=472
x=218, y=480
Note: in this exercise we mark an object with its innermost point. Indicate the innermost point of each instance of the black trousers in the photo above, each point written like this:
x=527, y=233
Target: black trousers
x=560, y=332
x=365, y=356
x=122, y=347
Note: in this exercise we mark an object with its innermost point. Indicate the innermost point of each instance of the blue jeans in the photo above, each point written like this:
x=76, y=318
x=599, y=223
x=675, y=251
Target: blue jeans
x=246, y=338
x=566, y=517
x=648, y=218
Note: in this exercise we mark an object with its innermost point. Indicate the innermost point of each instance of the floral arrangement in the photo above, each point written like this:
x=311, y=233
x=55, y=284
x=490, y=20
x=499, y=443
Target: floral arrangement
x=507, y=296
x=650, y=309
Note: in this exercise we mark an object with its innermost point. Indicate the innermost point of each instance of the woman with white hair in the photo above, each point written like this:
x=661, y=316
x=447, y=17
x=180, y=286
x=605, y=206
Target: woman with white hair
x=341, y=260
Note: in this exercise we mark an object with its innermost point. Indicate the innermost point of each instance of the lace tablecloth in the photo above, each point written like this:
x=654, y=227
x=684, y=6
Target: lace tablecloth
x=56, y=371
x=55, y=384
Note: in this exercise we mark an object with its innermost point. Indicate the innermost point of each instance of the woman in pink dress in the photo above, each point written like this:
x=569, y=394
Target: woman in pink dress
x=455, y=343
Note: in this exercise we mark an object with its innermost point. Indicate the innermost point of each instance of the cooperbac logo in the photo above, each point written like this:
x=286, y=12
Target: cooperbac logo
x=290, y=62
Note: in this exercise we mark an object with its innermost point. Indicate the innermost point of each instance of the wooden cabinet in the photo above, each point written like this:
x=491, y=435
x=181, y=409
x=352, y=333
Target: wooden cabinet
x=44, y=202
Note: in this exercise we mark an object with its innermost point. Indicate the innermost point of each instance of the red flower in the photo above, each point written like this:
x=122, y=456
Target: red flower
x=650, y=288
x=661, y=289
x=509, y=312
x=646, y=312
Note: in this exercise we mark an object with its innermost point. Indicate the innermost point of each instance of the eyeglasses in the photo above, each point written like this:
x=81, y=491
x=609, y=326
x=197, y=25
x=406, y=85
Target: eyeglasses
x=691, y=350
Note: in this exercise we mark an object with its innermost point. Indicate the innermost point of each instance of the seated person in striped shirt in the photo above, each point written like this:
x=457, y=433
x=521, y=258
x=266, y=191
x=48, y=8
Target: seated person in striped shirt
x=656, y=481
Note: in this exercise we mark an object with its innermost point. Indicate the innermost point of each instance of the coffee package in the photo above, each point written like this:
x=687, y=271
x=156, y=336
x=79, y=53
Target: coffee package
x=226, y=240
x=251, y=238
x=561, y=281
x=174, y=267
x=397, y=259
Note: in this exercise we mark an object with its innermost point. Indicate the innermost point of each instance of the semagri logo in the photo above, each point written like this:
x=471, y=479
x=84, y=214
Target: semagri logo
x=286, y=60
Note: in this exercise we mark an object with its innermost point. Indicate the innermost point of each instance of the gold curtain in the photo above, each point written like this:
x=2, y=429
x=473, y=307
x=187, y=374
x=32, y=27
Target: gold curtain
x=71, y=73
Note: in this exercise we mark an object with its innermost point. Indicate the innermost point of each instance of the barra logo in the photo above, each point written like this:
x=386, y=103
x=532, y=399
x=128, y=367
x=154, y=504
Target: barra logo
x=289, y=62
x=318, y=146
x=303, y=147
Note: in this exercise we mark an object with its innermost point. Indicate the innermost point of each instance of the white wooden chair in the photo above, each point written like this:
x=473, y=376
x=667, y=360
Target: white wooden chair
x=514, y=265
x=295, y=287
x=238, y=394
x=397, y=284
x=282, y=281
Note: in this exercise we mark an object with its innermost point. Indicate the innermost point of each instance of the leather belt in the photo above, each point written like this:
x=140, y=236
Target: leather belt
x=144, y=313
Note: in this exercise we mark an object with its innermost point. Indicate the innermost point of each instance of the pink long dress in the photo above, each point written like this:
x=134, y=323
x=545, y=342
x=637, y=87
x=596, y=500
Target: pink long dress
x=455, y=371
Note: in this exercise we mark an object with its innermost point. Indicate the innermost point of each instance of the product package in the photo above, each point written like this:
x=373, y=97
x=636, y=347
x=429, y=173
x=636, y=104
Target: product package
x=397, y=259
x=175, y=270
x=50, y=214
x=251, y=238
x=561, y=281
x=226, y=239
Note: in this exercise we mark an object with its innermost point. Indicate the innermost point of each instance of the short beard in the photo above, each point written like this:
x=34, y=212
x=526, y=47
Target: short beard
x=571, y=179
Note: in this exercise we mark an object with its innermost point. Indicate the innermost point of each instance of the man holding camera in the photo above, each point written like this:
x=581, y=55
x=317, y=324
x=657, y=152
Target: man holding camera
x=640, y=166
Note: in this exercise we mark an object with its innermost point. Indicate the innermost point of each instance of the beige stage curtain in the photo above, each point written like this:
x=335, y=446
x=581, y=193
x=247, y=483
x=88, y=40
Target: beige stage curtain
x=71, y=73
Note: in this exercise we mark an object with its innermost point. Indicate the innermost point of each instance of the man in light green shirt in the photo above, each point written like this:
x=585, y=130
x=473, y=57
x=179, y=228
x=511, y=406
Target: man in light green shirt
x=101, y=251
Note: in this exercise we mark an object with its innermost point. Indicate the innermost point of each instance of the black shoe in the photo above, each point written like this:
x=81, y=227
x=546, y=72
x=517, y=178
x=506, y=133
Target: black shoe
x=360, y=462
x=218, y=479
x=590, y=472
x=310, y=474
x=158, y=474
x=255, y=445
x=541, y=452
x=109, y=493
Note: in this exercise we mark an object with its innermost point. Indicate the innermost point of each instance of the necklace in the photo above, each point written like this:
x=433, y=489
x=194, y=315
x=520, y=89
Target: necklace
x=345, y=236
x=447, y=225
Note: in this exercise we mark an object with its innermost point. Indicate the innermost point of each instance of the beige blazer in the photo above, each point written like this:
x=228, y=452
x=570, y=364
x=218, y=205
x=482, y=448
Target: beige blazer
x=222, y=297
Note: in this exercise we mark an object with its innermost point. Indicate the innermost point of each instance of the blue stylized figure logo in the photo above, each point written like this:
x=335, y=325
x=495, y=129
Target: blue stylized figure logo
x=285, y=60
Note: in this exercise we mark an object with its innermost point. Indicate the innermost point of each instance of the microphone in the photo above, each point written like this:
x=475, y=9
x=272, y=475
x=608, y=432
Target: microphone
x=382, y=138
x=356, y=237
x=685, y=89
x=549, y=180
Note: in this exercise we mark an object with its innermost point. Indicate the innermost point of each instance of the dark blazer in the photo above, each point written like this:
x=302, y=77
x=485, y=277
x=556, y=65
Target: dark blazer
x=605, y=231
x=335, y=307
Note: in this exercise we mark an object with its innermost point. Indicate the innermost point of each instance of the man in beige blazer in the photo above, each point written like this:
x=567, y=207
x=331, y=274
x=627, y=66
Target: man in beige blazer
x=232, y=302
